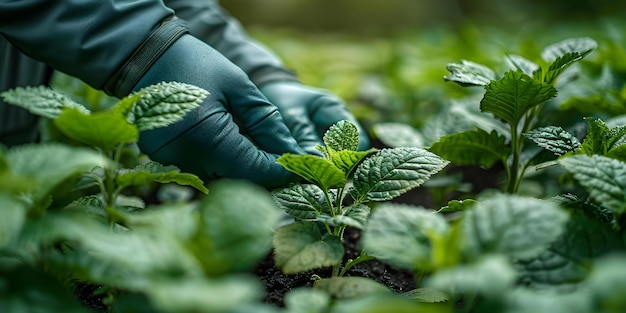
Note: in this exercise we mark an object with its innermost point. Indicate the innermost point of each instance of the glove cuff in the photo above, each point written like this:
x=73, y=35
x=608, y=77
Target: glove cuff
x=270, y=74
x=121, y=83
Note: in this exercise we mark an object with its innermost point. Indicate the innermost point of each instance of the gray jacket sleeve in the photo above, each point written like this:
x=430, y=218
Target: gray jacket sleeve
x=209, y=22
x=109, y=44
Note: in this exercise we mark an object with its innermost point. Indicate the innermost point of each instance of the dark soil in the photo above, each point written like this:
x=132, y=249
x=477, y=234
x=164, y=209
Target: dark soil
x=278, y=284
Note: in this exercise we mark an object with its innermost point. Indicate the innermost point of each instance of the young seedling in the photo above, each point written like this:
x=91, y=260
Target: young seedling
x=341, y=184
x=516, y=99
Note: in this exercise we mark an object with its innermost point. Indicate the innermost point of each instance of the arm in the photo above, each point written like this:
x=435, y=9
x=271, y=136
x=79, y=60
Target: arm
x=121, y=46
x=308, y=112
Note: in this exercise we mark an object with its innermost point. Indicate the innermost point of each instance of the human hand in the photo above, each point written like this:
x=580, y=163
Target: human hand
x=309, y=112
x=235, y=132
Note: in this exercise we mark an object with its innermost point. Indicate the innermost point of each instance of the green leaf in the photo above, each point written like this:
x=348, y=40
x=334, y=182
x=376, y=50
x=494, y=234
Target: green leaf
x=560, y=65
x=104, y=130
x=604, y=178
x=472, y=147
x=307, y=300
x=198, y=294
x=344, y=135
x=510, y=97
x=583, y=46
x=519, y=227
x=522, y=64
x=50, y=164
x=458, y=205
x=594, y=142
x=24, y=289
x=426, y=295
x=155, y=172
x=355, y=217
x=350, y=287
x=398, y=135
x=41, y=100
x=528, y=300
x=300, y=247
x=568, y=261
x=554, y=139
x=165, y=103
x=237, y=221
x=490, y=276
x=469, y=73
x=13, y=214
x=125, y=105
x=124, y=259
x=607, y=283
x=314, y=169
x=392, y=172
x=403, y=235
x=303, y=201
x=347, y=160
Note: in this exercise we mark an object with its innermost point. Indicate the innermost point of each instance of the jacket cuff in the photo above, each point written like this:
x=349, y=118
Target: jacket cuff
x=124, y=79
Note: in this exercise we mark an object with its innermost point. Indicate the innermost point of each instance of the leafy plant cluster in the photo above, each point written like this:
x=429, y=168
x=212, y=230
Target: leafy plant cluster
x=71, y=221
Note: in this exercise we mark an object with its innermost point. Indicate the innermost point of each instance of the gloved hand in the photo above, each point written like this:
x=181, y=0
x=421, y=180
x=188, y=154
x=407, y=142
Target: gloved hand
x=309, y=112
x=235, y=132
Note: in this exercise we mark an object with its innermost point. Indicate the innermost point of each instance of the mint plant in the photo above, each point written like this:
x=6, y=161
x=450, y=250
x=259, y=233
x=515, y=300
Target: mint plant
x=111, y=132
x=58, y=230
x=342, y=182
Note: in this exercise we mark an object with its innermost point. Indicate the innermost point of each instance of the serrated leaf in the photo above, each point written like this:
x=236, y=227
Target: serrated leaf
x=344, y=135
x=237, y=221
x=392, y=172
x=41, y=100
x=567, y=262
x=300, y=247
x=516, y=62
x=554, y=139
x=303, y=201
x=47, y=165
x=165, y=103
x=468, y=73
x=355, y=217
x=314, y=169
x=350, y=287
x=347, y=160
x=596, y=135
x=490, y=276
x=510, y=97
x=155, y=172
x=519, y=227
x=398, y=135
x=403, y=235
x=560, y=65
x=125, y=105
x=104, y=130
x=604, y=178
x=583, y=46
x=472, y=147
x=426, y=295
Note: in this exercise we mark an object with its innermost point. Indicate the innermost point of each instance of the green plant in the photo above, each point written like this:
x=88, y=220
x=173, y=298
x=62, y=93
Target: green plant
x=169, y=258
x=322, y=208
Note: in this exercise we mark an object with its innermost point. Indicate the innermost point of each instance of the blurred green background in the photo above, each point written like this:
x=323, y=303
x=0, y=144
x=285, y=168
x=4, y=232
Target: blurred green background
x=387, y=59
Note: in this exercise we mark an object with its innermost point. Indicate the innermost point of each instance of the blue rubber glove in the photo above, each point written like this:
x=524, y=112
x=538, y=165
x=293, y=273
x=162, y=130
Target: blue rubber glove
x=309, y=112
x=235, y=133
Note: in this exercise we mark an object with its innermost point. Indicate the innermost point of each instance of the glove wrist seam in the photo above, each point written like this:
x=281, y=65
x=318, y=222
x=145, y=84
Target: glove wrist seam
x=123, y=80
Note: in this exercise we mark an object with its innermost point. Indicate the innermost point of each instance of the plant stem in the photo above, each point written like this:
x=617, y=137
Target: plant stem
x=360, y=259
x=514, y=166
